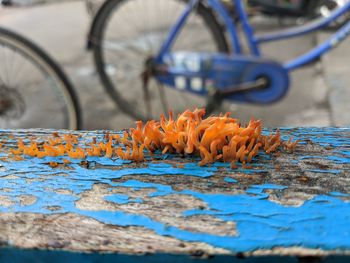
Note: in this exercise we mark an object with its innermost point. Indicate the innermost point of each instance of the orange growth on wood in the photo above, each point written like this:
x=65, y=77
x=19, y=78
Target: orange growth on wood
x=216, y=138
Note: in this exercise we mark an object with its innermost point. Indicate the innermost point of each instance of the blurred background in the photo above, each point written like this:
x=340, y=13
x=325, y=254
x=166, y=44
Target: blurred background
x=319, y=94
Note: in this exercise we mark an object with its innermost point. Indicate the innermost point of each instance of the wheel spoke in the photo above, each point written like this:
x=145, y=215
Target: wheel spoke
x=36, y=96
x=132, y=31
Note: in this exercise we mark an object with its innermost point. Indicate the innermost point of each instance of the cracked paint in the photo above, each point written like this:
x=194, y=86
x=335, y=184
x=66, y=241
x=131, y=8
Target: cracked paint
x=261, y=223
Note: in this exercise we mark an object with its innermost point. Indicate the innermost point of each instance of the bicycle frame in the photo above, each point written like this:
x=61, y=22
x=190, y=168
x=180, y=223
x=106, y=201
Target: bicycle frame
x=255, y=40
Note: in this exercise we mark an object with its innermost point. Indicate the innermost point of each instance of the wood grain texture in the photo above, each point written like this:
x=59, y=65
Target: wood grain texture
x=285, y=204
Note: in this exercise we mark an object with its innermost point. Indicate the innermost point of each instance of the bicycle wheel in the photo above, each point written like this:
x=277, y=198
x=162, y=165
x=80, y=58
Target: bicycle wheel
x=34, y=91
x=127, y=33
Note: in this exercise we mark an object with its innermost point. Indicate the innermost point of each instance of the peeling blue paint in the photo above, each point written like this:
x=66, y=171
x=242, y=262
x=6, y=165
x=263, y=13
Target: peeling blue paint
x=340, y=160
x=230, y=180
x=325, y=171
x=261, y=223
x=189, y=169
x=287, y=226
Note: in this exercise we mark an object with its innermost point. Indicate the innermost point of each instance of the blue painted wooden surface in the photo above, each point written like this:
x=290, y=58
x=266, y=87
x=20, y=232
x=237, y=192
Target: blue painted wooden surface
x=289, y=200
x=20, y=255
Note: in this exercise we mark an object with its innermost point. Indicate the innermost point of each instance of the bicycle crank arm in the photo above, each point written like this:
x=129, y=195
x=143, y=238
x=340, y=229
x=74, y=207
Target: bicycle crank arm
x=258, y=84
x=233, y=77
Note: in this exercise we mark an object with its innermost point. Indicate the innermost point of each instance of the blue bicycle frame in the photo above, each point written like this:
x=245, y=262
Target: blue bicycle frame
x=255, y=40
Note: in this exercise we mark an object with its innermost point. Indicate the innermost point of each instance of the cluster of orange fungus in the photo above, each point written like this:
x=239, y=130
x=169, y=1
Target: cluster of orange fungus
x=216, y=138
x=68, y=145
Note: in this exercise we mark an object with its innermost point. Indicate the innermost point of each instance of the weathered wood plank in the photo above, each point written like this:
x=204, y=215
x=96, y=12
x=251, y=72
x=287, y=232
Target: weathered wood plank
x=286, y=204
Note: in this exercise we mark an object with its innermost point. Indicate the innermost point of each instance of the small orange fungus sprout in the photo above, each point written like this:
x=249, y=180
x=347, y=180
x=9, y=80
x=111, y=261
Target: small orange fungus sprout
x=216, y=138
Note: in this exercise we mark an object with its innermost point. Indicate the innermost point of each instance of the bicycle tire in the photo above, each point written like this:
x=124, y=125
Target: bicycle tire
x=108, y=9
x=42, y=62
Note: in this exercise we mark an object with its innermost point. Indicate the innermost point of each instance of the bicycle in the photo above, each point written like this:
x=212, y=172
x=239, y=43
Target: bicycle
x=246, y=78
x=34, y=90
